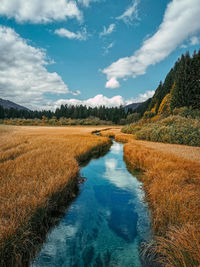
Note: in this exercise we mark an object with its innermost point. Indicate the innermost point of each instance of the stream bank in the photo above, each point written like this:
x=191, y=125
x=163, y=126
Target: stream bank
x=107, y=222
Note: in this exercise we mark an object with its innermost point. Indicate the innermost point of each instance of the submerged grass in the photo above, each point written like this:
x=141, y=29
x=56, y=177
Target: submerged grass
x=36, y=165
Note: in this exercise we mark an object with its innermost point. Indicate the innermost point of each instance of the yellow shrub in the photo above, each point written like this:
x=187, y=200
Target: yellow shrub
x=165, y=105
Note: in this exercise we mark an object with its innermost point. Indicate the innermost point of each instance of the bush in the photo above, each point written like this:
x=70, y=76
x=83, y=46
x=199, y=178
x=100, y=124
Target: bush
x=134, y=117
x=187, y=112
x=174, y=129
x=148, y=115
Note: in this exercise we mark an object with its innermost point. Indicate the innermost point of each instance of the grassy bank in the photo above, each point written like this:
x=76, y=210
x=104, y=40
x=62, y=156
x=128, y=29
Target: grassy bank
x=174, y=130
x=36, y=166
x=56, y=122
x=172, y=186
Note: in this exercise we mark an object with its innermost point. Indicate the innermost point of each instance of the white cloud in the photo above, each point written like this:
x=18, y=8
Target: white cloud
x=175, y=28
x=86, y=3
x=24, y=78
x=76, y=92
x=141, y=97
x=131, y=13
x=112, y=83
x=194, y=40
x=82, y=36
x=107, y=31
x=108, y=47
x=100, y=100
x=37, y=11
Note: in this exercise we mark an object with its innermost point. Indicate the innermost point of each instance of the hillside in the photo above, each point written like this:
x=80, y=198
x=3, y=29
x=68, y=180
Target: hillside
x=6, y=104
x=132, y=106
x=181, y=88
x=172, y=115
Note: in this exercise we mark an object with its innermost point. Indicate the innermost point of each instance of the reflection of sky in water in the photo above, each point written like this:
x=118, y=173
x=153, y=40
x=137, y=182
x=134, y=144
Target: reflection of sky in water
x=105, y=224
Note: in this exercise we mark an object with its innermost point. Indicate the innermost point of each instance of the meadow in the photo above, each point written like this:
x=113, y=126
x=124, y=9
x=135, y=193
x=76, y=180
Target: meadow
x=55, y=122
x=171, y=180
x=38, y=164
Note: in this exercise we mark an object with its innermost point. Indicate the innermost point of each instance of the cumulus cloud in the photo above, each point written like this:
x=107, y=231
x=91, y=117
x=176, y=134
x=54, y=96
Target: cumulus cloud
x=82, y=36
x=23, y=74
x=131, y=13
x=112, y=83
x=141, y=97
x=86, y=3
x=38, y=11
x=174, y=29
x=194, y=40
x=100, y=100
x=107, y=31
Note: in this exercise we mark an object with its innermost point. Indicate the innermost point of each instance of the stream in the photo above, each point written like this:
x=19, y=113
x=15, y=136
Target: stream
x=106, y=223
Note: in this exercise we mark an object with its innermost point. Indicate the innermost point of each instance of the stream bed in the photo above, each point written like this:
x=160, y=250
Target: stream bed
x=106, y=223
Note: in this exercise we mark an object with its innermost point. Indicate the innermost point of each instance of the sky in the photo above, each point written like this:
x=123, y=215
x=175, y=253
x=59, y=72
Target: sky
x=91, y=52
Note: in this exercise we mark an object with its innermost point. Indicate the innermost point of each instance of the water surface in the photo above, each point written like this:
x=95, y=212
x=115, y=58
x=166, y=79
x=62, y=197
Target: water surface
x=105, y=224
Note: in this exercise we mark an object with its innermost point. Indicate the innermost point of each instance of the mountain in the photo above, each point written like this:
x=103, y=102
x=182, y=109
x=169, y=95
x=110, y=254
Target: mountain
x=6, y=104
x=132, y=106
x=143, y=107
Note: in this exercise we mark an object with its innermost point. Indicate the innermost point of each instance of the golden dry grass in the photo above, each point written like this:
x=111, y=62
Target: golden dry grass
x=172, y=186
x=181, y=151
x=116, y=133
x=36, y=163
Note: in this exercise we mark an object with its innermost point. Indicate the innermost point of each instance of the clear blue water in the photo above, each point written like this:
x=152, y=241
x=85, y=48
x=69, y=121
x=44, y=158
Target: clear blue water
x=105, y=224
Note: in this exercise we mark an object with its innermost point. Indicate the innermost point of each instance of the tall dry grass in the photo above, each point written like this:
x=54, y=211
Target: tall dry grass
x=116, y=133
x=35, y=165
x=172, y=186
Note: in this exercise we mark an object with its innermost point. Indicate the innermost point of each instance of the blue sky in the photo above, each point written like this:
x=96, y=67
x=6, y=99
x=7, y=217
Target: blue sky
x=91, y=52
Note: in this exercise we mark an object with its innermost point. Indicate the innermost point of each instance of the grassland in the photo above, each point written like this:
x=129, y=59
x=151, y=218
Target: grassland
x=37, y=164
x=171, y=180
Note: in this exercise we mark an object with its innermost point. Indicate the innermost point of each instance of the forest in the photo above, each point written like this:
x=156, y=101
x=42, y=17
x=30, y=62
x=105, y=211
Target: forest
x=181, y=88
x=173, y=113
x=114, y=114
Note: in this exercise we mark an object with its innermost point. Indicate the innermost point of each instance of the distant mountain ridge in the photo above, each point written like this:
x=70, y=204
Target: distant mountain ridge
x=132, y=106
x=7, y=104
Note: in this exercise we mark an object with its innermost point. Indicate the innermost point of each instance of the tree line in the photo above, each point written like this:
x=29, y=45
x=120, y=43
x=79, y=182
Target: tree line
x=114, y=114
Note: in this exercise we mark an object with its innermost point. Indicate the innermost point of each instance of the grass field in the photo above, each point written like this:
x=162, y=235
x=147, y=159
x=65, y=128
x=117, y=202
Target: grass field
x=39, y=163
x=36, y=163
x=171, y=180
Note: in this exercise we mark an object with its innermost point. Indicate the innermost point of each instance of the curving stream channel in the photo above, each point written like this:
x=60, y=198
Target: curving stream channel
x=107, y=222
